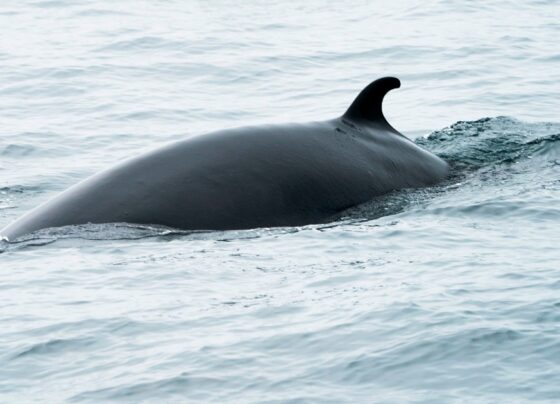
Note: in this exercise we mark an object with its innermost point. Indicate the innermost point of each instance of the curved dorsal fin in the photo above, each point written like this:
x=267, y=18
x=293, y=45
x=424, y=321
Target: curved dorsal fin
x=367, y=105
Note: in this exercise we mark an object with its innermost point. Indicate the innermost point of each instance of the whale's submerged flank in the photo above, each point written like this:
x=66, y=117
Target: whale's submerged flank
x=264, y=176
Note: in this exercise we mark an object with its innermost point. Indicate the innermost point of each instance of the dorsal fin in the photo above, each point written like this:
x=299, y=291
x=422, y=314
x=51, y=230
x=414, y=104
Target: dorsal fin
x=367, y=105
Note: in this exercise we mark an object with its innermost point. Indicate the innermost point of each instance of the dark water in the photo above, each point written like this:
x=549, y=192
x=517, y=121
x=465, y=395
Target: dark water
x=446, y=294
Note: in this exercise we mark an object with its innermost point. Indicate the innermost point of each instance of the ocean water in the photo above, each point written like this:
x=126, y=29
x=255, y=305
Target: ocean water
x=446, y=294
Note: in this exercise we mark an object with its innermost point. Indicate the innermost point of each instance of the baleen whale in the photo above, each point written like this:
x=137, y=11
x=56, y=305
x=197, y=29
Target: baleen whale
x=250, y=177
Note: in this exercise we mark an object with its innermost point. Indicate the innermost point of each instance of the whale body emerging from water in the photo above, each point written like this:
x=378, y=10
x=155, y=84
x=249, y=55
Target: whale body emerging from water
x=262, y=176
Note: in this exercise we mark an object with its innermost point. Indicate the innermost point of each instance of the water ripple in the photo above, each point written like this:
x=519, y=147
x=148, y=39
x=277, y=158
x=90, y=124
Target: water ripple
x=449, y=292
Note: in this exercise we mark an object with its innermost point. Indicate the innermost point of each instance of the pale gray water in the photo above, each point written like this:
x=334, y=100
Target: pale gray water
x=450, y=294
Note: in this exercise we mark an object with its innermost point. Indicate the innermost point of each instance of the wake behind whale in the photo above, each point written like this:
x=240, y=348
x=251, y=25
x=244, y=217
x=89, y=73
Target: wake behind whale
x=264, y=176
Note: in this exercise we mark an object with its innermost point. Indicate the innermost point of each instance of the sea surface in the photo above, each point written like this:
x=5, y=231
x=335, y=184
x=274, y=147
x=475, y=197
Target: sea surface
x=446, y=294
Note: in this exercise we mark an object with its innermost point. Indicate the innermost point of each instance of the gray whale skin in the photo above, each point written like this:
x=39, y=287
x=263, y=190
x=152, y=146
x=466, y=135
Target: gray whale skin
x=250, y=177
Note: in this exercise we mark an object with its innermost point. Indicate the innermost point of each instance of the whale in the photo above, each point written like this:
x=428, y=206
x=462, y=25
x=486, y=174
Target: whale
x=251, y=177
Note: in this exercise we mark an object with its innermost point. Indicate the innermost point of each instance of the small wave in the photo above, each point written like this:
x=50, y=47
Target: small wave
x=19, y=189
x=386, y=205
x=487, y=141
x=142, y=43
x=131, y=231
x=93, y=231
x=55, y=346
x=171, y=386
x=34, y=144
x=546, y=146
x=53, y=3
x=498, y=209
x=18, y=150
x=410, y=357
x=101, y=13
